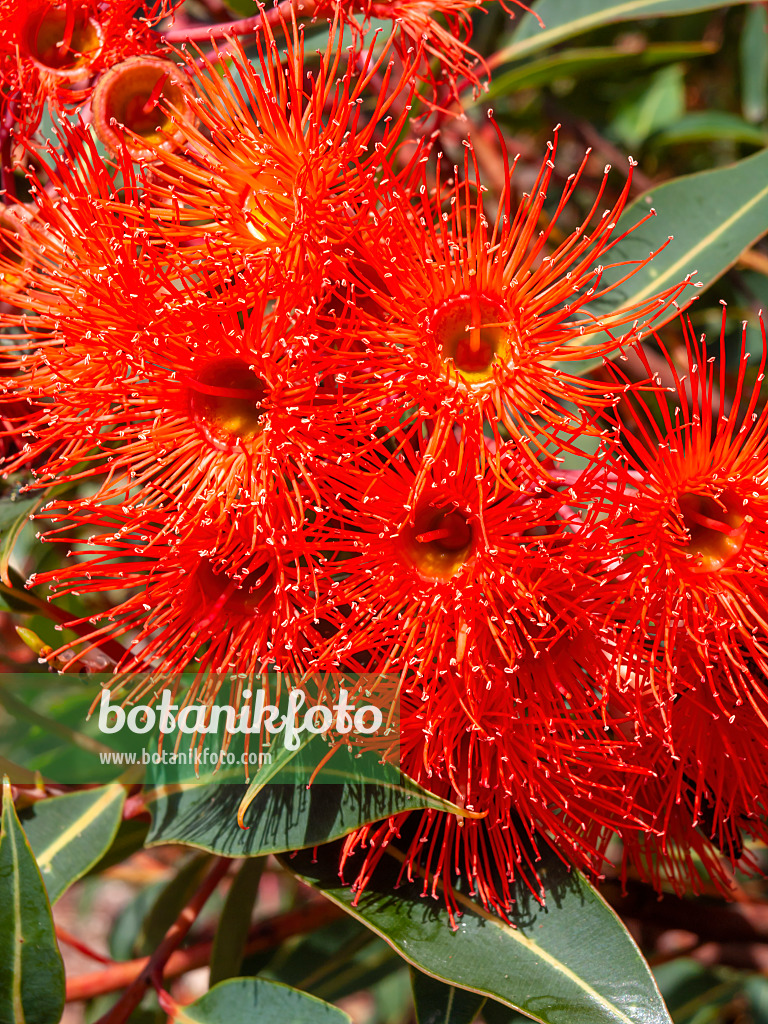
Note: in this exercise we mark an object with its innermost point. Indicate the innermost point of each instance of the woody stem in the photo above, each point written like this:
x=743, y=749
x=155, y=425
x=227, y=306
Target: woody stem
x=155, y=965
x=265, y=935
x=244, y=26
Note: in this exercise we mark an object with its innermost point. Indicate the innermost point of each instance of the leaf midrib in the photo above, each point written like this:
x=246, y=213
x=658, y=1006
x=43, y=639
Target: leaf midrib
x=529, y=944
x=541, y=40
x=18, y=1006
x=45, y=858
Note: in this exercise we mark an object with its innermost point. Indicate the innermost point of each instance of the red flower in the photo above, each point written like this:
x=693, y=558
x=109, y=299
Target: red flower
x=441, y=562
x=211, y=408
x=708, y=790
x=479, y=598
x=232, y=599
x=418, y=27
x=469, y=316
x=201, y=393
x=690, y=525
x=283, y=162
x=541, y=776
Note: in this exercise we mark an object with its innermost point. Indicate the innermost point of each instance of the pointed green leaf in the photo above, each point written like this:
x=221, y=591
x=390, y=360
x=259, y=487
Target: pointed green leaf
x=282, y=816
x=571, y=961
x=335, y=961
x=130, y=837
x=245, y=1000
x=266, y=772
x=69, y=834
x=14, y=516
x=127, y=925
x=582, y=63
x=706, y=125
x=661, y=104
x=438, y=1003
x=713, y=217
x=565, y=20
x=172, y=897
x=31, y=970
x=756, y=991
x=691, y=989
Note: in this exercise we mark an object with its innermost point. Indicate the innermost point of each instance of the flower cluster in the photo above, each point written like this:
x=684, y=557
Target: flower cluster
x=313, y=400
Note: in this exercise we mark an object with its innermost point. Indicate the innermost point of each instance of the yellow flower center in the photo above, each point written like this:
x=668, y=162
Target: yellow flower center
x=473, y=335
x=716, y=528
x=439, y=541
x=226, y=401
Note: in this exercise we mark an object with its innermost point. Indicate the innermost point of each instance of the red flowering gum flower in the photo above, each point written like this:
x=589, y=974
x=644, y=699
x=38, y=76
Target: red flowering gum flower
x=474, y=315
x=439, y=563
x=540, y=778
x=480, y=598
x=283, y=160
x=51, y=51
x=88, y=240
x=229, y=599
x=206, y=413
x=709, y=788
x=690, y=526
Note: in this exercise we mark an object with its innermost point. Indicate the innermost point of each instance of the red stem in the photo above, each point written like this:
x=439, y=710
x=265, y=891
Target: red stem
x=72, y=940
x=155, y=966
x=242, y=27
x=265, y=935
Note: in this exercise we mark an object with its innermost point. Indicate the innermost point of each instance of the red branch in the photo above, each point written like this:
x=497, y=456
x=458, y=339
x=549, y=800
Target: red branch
x=154, y=966
x=266, y=935
x=245, y=26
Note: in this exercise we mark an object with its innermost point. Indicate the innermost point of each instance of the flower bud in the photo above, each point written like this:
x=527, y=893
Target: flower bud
x=61, y=40
x=135, y=102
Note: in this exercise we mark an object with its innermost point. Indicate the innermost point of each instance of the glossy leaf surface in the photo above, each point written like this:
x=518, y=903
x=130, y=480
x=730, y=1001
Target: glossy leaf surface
x=571, y=961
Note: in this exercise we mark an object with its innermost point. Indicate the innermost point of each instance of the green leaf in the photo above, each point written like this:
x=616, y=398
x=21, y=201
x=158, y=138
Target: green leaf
x=438, y=1003
x=130, y=837
x=69, y=834
x=565, y=20
x=57, y=730
x=245, y=1000
x=753, y=51
x=495, y=1013
x=125, y=930
x=235, y=921
x=283, y=816
x=572, y=961
x=31, y=970
x=265, y=773
x=14, y=516
x=706, y=125
x=756, y=991
x=713, y=217
x=582, y=63
x=335, y=961
x=661, y=103
x=689, y=988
